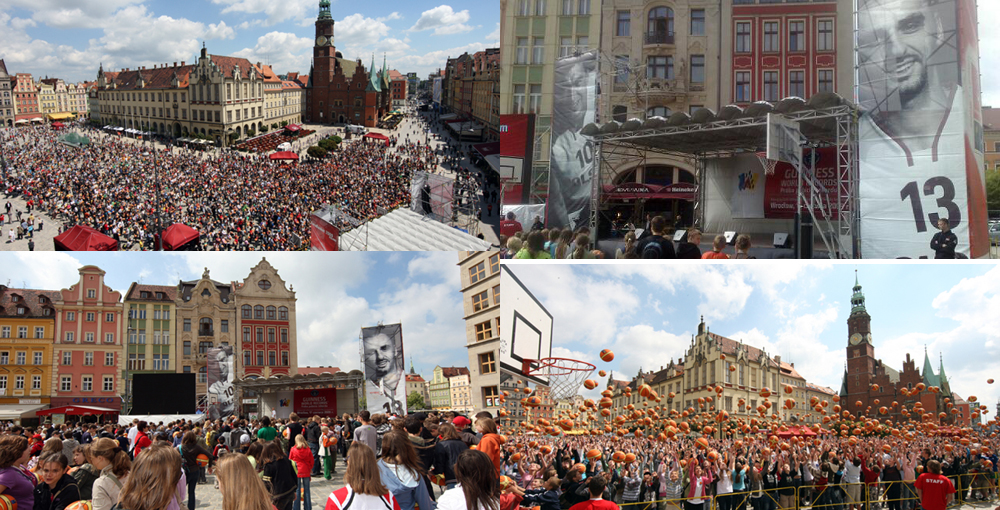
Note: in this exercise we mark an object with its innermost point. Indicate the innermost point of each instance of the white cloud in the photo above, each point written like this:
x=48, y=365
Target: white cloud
x=494, y=36
x=62, y=14
x=276, y=12
x=438, y=58
x=285, y=51
x=390, y=17
x=220, y=31
x=443, y=20
x=989, y=58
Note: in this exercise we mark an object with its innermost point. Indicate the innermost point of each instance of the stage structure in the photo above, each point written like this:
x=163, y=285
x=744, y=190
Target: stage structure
x=825, y=121
x=281, y=395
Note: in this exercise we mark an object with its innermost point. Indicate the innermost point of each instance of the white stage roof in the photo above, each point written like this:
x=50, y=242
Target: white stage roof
x=405, y=230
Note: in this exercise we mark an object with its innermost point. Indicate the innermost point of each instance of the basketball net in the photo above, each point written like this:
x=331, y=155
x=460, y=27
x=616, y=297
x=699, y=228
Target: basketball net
x=768, y=164
x=565, y=375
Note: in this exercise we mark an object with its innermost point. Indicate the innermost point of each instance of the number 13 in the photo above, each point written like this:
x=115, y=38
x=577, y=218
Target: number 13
x=946, y=201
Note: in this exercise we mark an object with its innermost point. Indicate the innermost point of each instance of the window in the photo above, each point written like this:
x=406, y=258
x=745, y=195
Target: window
x=205, y=326
x=697, y=69
x=203, y=375
x=496, y=295
x=658, y=111
x=480, y=301
x=270, y=335
x=90, y=316
x=524, y=7
x=65, y=383
x=487, y=363
x=538, y=50
x=744, y=41
x=584, y=8
x=39, y=332
x=772, y=38
x=88, y=383
x=567, y=7
x=824, y=36
x=91, y=293
x=796, y=39
x=260, y=335
x=109, y=338
x=284, y=358
x=70, y=316
x=264, y=284
x=109, y=359
x=284, y=336
x=697, y=21
x=246, y=358
x=491, y=396
x=246, y=310
x=187, y=324
x=203, y=347
x=796, y=84
x=477, y=272
x=108, y=383
x=271, y=358
x=565, y=46
x=88, y=359
x=67, y=358
x=224, y=326
x=535, y=99
x=660, y=67
x=771, y=86
x=5, y=332
x=521, y=56
x=271, y=313
x=258, y=312
x=825, y=80
x=539, y=7
x=21, y=357
x=484, y=331
x=260, y=358
x=660, y=26
x=624, y=27
x=246, y=334
x=19, y=382
x=187, y=348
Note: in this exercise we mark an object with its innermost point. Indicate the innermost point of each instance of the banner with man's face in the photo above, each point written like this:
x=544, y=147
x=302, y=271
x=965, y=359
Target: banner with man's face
x=572, y=158
x=916, y=143
x=221, y=373
x=385, y=381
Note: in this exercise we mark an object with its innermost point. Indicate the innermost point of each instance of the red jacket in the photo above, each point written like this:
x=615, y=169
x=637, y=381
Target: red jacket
x=141, y=441
x=303, y=458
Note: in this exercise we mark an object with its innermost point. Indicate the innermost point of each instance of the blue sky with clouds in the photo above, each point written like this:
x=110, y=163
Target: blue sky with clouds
x=647, y=314
x=337, y=294
x=69, y=39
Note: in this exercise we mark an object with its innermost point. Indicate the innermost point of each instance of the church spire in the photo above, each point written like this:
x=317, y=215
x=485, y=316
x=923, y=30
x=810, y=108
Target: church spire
x=858, y=298
x=324, y=10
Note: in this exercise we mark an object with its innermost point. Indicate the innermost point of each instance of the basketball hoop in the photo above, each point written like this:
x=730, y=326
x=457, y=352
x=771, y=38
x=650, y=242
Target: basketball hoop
x=768, y=164
x=565, y=375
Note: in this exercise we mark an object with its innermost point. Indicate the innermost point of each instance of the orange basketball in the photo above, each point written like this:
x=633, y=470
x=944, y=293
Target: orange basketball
x=7, y=502
x=602, y=373
x=83, y=504
x=505, y=481
x=702, y=443
x=629, y=458
x=618, y=456
x=765, y=392
x=439, y=479
x=594, y=454
x=989, y=381
x=607, y=355
x=515, y=458
x=545, y=449
x=590, y=384
x=202, y=459
x=581, y=468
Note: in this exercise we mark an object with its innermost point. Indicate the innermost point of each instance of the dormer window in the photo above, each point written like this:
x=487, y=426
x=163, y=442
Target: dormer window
x=42, y=299
x=144, y=295
x=206, y=293
x=159, y=295
x=21, y=310
x=15, y=298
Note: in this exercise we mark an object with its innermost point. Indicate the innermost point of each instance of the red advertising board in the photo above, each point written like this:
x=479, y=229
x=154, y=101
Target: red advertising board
x=322, y=402
x=514, y=135
x=322, y=235
x=780, y=188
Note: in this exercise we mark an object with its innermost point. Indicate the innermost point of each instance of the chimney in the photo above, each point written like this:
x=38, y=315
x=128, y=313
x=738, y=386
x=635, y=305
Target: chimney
x=175, y=64
x=777, y=359
x=182, y=63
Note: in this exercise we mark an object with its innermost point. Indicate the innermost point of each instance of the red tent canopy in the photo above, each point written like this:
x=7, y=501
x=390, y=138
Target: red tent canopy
x=378, y=136
x=293, y=127
x=796, y=431
x=58, y=125
x=76, y=411
x=81, y=238
x=284, y=155
x=178, y=235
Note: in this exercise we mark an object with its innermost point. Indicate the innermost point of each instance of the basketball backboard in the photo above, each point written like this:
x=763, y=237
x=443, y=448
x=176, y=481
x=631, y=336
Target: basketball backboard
x=525, y=329
x=783, y=139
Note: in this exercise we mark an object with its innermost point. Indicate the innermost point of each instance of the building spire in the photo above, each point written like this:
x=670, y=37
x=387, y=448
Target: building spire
x=324, y=10
x=858, y=298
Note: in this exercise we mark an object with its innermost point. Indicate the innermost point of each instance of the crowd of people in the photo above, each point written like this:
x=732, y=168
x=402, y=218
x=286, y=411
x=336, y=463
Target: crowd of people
x=394, y=462
x=235, y=201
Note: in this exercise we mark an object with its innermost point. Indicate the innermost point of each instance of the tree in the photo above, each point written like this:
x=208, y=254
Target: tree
x=264, y=128
x=336, y=139
x=316, y=152
x=993, y=190
x=415, y=402
x=327, y=144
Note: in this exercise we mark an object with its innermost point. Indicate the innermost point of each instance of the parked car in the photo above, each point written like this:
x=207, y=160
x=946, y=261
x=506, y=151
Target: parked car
x=995, y=234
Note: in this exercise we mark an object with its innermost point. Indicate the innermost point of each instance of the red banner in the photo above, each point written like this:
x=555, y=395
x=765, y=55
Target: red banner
x=780, y=187
x=322, y=402
x=322, y=235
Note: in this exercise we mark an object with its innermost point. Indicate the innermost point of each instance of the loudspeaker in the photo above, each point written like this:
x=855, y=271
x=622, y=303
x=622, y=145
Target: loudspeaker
x=782, y=240
x=730, y=238
x=681, y=236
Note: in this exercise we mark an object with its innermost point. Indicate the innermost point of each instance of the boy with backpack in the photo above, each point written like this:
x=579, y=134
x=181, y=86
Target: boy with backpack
x=656, y=245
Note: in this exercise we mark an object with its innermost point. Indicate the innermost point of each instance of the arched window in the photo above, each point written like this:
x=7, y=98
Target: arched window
x=283, y=313
x=247, y=311
x=660, y=26
x=205, y=326
x=271, y=315
x=258, y=312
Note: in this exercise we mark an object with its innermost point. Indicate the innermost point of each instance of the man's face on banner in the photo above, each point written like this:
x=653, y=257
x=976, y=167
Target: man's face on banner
x=902, y=35
x=220, y=359
x=380, y=353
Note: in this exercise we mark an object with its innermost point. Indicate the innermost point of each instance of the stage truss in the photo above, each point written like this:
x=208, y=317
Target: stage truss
x=831, y=126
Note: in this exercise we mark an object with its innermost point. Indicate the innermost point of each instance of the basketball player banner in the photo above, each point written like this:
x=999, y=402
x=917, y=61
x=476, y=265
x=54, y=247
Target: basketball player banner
x=432, y=194
x=921, y=149
x=220, y=373
x=572, y=160
x=385, y=382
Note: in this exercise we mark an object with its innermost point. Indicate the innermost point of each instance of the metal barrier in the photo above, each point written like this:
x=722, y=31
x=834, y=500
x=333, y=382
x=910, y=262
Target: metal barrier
x=896, y=495
x=975, y=487
x=708, y=503
x=832, y=497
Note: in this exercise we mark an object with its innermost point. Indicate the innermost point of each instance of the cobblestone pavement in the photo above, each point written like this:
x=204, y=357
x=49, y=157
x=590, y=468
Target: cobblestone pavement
x=206, y=496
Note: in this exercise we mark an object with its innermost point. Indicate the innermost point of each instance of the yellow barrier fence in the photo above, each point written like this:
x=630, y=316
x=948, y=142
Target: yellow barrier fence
x=975, y=487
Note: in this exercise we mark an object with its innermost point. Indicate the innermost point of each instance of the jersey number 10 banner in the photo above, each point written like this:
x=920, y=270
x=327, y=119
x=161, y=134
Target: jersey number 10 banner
x=921, y=148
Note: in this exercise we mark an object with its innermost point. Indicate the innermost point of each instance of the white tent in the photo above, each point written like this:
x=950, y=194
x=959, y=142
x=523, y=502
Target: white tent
x=126, y=419
x=405, y=230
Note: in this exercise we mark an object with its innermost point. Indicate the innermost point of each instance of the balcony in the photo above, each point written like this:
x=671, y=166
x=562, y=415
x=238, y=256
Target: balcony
x=206, y=332
x=659, y=37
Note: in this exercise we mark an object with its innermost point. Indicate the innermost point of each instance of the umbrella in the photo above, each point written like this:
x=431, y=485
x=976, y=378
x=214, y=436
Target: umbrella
x=284, y=156
x=178, y=235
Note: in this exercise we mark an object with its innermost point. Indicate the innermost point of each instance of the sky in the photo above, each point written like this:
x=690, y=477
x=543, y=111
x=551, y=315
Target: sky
x=337, y=294
x=646, y=314
x=70, y=39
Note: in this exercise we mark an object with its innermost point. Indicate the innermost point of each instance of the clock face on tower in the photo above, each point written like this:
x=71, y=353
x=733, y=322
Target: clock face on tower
x=856, y=339
x=321, y=40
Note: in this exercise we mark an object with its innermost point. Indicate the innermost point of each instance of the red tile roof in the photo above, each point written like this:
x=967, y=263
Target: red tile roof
x=396, y=75
x=227, y=65
x=28, y=298
x=169, y=292
x=268, y=73
x=414, y=378
x=159, y=78
x=454, y=371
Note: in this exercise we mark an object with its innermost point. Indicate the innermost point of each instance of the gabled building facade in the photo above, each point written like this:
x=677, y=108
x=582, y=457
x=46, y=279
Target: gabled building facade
x=27, y=331
x=266, y=324
x=150, y=331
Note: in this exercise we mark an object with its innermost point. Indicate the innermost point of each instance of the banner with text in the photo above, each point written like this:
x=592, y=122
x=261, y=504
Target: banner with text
x=322, y=402
x=781, y=187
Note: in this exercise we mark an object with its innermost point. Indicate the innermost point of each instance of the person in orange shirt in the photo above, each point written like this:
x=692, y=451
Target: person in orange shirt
x=718, y=245
x=490, y=442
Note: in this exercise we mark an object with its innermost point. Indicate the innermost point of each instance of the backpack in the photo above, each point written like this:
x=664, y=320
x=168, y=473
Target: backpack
x=653, y=249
